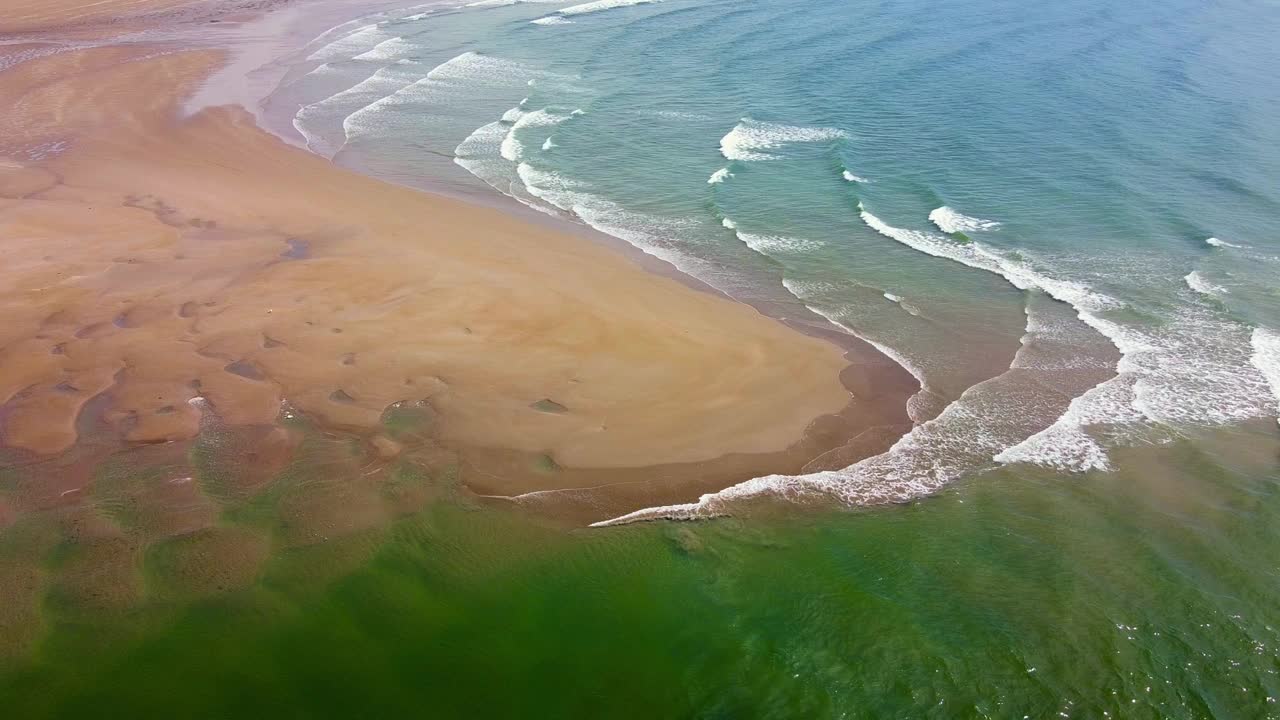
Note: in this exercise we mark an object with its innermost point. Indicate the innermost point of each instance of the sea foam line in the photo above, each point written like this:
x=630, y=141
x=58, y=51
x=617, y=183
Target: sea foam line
x=1266, y=357
x=963, y=439
x=512, y=149
x=1215, y=242
x=459, y=75
x=561, y=16
x=752, y=139
x=1193, y=369
x=950, y=221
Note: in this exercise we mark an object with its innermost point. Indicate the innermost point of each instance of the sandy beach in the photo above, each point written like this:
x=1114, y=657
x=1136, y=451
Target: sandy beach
x=167, y=273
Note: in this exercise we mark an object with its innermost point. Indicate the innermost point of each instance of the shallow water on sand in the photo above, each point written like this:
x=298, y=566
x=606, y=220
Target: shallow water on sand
x=1124, y=594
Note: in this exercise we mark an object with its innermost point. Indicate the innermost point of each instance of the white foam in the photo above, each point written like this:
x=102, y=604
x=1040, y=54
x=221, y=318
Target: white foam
x=676, y=115
x=1266, y=357
x=772, y=245
x=656, y=236
x=804, y=291
x=450, y=83
x=729, y=223
x=310, y=119
x=950, y=221
x=1215, y=242
x=961, y=440
x=719, y=176
x=388, y=50
x=1192, y=369
x=500, y=3
x=561, y=16
x=896, y=299
x=751, y=139
x=1198, y=283
x=472, y=66
x=357, y=41
x=600, y=5
x=1064, y=445
x=932, y=454
x=512, y=149
x=548, y=144
x=853, y=178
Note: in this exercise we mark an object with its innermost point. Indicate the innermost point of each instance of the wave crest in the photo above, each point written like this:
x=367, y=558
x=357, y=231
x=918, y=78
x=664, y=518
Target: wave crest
x=752, y=139
x=950, y=221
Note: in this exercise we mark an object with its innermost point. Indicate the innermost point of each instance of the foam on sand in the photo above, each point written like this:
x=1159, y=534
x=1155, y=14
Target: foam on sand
x=752, y=139
x=950, y=221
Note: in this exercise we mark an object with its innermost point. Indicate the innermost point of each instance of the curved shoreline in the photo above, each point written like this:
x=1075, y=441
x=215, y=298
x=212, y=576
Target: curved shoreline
x=735, y=395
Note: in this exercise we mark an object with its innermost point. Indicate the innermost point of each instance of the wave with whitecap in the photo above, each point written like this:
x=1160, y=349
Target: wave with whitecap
x=1197, y=282
x=753, y=140
x=561, y=16
x=948, y=220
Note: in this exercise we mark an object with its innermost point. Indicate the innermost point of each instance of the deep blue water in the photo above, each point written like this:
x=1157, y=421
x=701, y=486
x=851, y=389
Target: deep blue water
x=1059, y=216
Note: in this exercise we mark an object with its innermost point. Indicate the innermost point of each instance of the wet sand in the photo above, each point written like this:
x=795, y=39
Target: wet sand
x=167, y=273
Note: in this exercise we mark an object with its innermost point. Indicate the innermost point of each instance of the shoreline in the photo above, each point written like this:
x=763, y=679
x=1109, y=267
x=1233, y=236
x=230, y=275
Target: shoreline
x=731, y=400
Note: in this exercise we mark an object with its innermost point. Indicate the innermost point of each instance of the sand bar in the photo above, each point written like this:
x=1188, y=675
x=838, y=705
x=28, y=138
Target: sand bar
x=177, y=267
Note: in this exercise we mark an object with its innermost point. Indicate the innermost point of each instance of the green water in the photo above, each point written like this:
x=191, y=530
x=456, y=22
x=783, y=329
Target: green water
x=1147, y=593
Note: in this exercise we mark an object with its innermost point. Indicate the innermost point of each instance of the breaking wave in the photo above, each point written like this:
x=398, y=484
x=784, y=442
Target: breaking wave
x=950, y=221
x=752, y=139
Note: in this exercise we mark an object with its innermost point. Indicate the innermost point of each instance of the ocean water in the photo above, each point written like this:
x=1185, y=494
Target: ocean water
x=1060, y=217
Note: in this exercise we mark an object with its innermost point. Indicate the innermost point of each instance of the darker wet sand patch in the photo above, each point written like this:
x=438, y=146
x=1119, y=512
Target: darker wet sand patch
x=245, y=369
x=547, y=405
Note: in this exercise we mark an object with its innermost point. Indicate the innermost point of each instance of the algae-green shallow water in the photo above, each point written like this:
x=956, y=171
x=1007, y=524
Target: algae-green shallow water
x=1146, y=592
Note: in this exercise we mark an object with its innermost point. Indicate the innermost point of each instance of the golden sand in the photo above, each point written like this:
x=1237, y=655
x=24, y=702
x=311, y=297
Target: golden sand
x=180, y=269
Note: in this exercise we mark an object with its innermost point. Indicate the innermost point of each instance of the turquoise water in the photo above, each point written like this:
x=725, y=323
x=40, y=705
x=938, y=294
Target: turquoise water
x=1059, y=218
